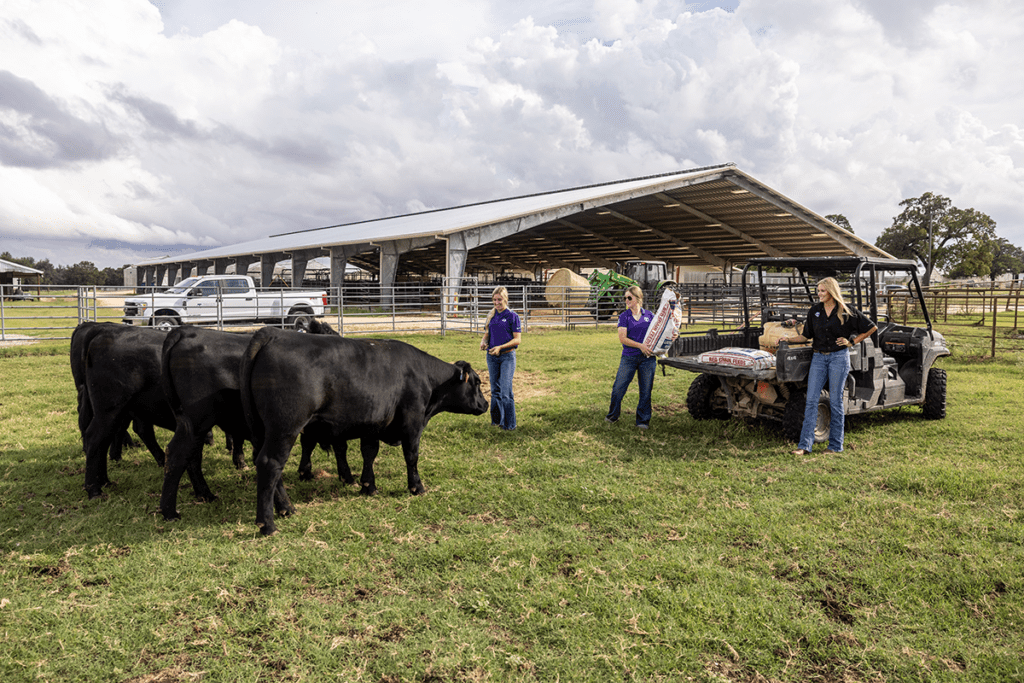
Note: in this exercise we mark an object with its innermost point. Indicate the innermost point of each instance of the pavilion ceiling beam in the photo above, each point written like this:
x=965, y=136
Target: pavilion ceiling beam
x=599, y=260
x=763, y=246
x=704, y=254
x=798, y=211
x=642, y=255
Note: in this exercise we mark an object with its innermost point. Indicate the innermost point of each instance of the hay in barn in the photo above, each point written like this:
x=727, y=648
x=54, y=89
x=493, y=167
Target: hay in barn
x=566, y=289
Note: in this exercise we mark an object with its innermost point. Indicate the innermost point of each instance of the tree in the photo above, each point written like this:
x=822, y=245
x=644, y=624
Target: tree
x=840, y=220
x=1006, y=258
x=82, y=273
x=937, y=234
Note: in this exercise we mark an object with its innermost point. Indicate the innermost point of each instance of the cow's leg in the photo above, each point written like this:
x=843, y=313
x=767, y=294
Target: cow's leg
x=270, y=493
x=98, y=436
x=145, y=431
x=118, y=442
x=236, y=443
x=308, y=443
x=194, y=468
x=368, y=481
x=178, y=451
x=411, y=451
x=340, y=447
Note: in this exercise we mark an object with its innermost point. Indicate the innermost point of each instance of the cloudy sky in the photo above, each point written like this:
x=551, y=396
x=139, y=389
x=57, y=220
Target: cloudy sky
x=132, y=129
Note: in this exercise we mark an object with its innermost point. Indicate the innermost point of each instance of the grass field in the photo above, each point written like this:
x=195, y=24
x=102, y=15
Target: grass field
x=568, y=550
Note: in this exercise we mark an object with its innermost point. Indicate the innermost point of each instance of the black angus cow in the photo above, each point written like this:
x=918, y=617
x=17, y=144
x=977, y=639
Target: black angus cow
x=121, y=383
x=80, y=339
x=371, y=389
x=199, y=376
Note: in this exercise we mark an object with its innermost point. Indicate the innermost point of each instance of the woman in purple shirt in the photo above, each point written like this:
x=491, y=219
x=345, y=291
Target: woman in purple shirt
x=637, y=359
x=502, y=333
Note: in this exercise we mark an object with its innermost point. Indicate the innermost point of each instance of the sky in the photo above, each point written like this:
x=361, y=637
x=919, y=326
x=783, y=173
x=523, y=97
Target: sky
x=136, y=129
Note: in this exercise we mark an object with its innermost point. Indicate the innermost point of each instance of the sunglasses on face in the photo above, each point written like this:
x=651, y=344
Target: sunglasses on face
x=629, y=298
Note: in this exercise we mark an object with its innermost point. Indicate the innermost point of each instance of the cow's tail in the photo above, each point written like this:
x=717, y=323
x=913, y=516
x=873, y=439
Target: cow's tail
x=167, y=381
x=261, y=339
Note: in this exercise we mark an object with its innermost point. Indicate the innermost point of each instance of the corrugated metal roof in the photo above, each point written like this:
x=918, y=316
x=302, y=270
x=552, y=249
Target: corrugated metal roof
x=714, y=215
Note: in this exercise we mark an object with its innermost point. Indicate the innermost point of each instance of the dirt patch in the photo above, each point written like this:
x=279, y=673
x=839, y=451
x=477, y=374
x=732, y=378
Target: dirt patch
x=525, y=385
x=17, y=340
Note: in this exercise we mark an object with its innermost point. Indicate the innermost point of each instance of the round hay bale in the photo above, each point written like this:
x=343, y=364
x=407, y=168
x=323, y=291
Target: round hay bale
x=566, y=289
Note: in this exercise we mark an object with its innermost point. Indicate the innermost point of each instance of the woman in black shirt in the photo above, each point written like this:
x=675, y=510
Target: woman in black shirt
x=832, y=327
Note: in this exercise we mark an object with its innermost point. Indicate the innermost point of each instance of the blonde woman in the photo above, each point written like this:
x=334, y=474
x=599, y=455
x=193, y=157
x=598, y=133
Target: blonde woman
x=637, y=359
x=832, y=327
x=502, y=334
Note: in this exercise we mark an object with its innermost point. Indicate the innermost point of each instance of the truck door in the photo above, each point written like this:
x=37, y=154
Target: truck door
x=202, y=302
x=238, y=300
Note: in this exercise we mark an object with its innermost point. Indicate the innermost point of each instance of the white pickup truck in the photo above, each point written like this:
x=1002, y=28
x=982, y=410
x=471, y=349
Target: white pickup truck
x=223, y=299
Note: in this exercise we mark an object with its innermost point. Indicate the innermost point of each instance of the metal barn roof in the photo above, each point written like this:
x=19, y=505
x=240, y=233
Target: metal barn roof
x=713, y=216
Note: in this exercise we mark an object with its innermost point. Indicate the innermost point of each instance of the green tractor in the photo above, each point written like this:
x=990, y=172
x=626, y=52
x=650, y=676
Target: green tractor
x=608, y=287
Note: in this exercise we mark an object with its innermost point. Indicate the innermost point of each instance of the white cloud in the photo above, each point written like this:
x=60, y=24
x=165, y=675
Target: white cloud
x=132, y=126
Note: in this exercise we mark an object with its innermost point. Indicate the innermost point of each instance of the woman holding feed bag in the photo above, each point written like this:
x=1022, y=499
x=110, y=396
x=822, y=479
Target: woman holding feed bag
x=637, y=358
x=833, y=328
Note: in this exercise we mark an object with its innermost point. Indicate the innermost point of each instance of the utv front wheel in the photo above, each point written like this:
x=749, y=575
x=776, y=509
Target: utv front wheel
x=935, y=395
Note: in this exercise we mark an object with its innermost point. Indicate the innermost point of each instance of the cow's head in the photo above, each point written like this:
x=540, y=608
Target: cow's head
x=466, y=395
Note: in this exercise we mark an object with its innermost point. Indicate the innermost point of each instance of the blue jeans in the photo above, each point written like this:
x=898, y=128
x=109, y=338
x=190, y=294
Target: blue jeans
x=834, y=368
x=501, y=368
x=643, y=368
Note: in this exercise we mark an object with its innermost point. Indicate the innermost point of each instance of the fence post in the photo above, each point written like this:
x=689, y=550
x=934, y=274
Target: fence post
x=995, y=307
x=340, y=304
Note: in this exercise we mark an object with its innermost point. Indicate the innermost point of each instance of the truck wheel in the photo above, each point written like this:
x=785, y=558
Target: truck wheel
x=793, y=416
x=166, y=323
x=301, y=322
x=935, y=395
x=700, y=399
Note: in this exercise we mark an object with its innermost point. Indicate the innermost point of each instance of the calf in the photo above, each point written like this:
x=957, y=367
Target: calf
x=374, y=390
x=200, y=379
x=120, y=375
x=80, y=339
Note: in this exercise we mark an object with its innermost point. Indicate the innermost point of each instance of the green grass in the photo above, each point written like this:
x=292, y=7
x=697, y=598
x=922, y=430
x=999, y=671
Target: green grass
x=569, y=550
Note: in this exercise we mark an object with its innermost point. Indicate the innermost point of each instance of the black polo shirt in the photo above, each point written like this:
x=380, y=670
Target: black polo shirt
x=823, y=330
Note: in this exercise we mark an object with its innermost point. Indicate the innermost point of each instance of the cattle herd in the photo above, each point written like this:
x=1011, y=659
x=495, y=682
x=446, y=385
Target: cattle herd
x=270, y=388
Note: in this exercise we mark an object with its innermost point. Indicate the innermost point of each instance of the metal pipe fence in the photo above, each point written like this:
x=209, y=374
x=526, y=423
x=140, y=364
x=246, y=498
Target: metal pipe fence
x=988, y=319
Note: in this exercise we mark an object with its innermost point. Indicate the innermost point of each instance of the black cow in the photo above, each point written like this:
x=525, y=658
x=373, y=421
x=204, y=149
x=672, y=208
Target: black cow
x=374, y=390
x=199, y=376
x=121, y=383
x=80, y=339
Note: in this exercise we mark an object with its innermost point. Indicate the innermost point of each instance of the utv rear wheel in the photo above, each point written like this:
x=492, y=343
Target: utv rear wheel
x=701, y=399
x=935, y=395
x=823, y=427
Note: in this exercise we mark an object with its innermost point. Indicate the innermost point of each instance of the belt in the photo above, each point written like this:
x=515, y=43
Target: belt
x=827, y=353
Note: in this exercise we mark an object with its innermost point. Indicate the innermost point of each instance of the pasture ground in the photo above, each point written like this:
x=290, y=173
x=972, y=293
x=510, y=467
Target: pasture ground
x=568, y=550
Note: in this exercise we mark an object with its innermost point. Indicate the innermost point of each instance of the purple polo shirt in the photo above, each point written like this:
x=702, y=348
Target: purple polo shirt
x=502, y=327
x=635, y=329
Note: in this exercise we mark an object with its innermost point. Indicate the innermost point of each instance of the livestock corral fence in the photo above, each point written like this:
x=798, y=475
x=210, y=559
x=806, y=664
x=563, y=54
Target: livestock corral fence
x=988, y=320
x=358, y=307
